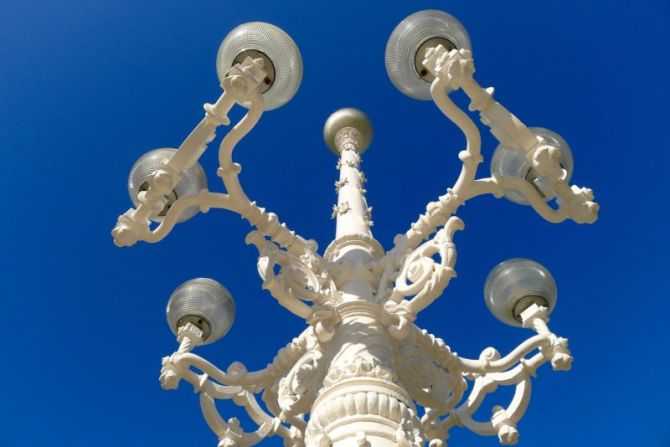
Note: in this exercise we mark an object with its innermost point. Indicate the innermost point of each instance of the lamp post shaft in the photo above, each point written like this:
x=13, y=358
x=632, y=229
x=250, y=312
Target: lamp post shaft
x=353, y=215
x=361, y=403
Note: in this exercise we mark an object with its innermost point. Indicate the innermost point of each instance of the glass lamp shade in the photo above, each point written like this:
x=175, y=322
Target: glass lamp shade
x=193, y=181
x=281, y=55
x=407, y=40
x=205, y=303
x=515, y=284
x=508, y=162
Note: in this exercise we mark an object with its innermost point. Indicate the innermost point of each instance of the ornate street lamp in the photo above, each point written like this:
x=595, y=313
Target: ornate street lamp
x=362, y=373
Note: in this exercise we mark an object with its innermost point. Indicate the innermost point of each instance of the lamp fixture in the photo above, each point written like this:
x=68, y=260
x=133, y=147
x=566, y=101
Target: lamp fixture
x=362, y=373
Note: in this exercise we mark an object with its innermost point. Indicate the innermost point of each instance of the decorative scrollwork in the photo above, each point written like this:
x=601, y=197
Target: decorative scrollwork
x=490, y=371
x=300, y=278
x=455, y=69
x=361, y=366
x=240, y=386
x=299, y=388
x=421, y=276
x=429, y=384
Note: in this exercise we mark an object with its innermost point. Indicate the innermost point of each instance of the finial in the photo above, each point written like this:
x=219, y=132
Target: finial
x=348, y=117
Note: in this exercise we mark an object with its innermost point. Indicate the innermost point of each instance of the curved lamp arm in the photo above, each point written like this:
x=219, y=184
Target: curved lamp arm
x=178, y=365
x=574, y=202
x=240, y=85
x=421, y=277
x=438, y=212
x=454, y=70
x=490, y=371
x=239, y=385
x=577, y=204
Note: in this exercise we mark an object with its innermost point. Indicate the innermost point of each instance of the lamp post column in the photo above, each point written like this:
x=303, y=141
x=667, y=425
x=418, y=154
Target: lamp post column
x=362, y=402
x=352, y=211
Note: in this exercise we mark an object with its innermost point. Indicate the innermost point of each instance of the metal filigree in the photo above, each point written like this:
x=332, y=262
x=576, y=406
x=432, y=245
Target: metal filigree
x=423, y=277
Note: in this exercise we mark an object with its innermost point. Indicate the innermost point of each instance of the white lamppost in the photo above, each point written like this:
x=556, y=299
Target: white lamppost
x=362, y=373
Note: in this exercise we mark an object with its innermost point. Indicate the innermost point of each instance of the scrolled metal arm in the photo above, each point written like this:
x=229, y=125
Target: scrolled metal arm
x=240, y=85
x=490, y=371
x=267, y=223
x=135, y=224
x=490, y=361
x=409, y=260
x=503, y=421
x=439, y=212
x=301, y=277
x=239, y=385
x=421, y=277
x=577, y=205
x=456, y=68
x=271, y=238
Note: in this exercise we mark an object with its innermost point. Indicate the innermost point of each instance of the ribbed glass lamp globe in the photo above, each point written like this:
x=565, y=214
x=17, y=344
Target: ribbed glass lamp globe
x=281, y=55
x=515, y=284
x=411, y=39
x=508, y=162
x=205, y=303
x=193, y=181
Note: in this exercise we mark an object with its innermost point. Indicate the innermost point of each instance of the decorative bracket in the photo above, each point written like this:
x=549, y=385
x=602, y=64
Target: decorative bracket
x=488, y=372
x=287, y=373
x=421, y=276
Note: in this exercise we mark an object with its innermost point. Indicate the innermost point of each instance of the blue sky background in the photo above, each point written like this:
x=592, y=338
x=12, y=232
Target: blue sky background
x=86, y=87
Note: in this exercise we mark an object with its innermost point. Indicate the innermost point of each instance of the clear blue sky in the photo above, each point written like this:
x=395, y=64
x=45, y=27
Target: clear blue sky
x=88, y=86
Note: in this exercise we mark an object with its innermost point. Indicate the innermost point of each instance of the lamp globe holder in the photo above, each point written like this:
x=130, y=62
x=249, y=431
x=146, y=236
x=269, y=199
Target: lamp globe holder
x=280, y=54
x=204, y=303
x=193, y=180
x=514, y=285
x=511, y=162
x=410, y=40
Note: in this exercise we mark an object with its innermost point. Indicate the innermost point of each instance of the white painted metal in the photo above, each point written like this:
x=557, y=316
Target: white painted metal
x=362, y=370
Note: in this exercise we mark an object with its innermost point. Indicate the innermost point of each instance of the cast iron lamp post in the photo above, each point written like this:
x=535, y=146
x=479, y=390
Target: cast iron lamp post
x=361, y=373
